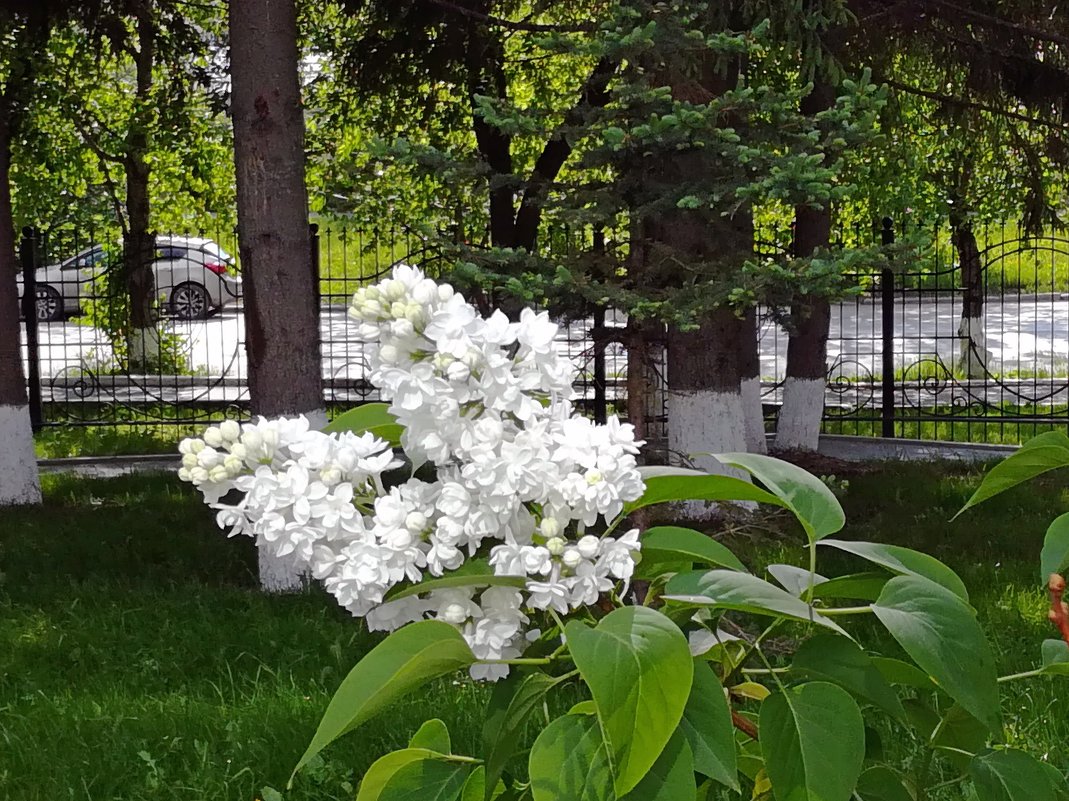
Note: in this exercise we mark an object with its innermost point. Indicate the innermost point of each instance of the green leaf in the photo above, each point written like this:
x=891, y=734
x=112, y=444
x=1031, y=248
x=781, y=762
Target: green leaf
x=707, y=725
x=404, y=661
x=570, y=762
x=741, y=592
x=1037, y=456
x=959, y=731
x=1055, y=657
x=882, y=784
x=904, y=561
x=858, y=586
x=584, y=708
x=809, y=498
x=680, y=484
x=452, y=582
x=397, y=775
x=511, y=705
x=475, y=786
x=1012, y=775
x=372, y=417
x=639, y=670
x=677, y=543
x=432, y=735
x=1055, y=555
x=672, y=776
x=898, y=672
x=813, y=742
x=842, y=662
x=940, y=633
x=794, y=580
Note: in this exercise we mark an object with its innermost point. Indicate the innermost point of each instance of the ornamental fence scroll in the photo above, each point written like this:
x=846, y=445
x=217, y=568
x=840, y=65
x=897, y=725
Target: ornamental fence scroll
x=930, y=349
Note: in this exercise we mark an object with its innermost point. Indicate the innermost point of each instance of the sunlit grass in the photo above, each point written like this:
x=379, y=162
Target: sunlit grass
x=138, y=660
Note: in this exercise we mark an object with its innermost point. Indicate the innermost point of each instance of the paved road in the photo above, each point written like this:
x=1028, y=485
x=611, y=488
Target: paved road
x=1023, y=335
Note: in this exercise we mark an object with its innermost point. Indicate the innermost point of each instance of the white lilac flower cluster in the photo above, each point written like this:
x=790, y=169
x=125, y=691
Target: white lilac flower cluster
x=519, y=476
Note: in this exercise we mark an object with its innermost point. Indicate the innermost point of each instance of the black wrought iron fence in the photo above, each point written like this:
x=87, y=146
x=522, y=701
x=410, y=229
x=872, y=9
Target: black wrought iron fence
x=923, y=351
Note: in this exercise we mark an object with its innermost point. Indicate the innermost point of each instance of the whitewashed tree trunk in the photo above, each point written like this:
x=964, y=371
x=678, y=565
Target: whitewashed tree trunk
x=19, y=483
x=281, y=296
x=973, y=355
x=753, y=411
x=802, y=404
x=799, y=418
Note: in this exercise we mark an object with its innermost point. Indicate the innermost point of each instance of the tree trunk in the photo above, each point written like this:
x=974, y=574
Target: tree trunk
x=973, y=355
x=753, y=410
x=802, y=409
x=705, y=404
x=19, y=483
x=143, y=341
x=706, y=409
x=281, y=297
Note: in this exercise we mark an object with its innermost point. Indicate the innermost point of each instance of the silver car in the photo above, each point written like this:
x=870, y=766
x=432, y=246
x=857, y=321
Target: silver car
x=192, y=276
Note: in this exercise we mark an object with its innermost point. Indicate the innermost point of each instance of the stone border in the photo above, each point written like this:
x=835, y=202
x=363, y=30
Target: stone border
x=836, y=446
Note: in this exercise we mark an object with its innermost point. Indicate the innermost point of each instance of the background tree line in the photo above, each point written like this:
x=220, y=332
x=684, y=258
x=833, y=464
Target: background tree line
x=670, y=139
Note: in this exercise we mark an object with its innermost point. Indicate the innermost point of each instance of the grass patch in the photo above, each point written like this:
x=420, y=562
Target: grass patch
x=1006, y=427
x=138, y=661
x=121, y=439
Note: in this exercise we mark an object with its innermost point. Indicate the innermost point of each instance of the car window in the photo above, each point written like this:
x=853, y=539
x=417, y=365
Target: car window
x=170, y=252
x=83, y=260
x=213, y=249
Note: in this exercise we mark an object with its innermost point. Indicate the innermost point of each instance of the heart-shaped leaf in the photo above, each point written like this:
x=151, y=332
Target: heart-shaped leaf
x=1054, y=557
x=672, y=776
x=842, y=662
x=813, y=739
x=940, y=633
x=882, y=784
x=432, y=735
x=904, y=561
x=366, y=417
x=741, y=592
x=795, y=580
x=1055, y=657
x=707, y=726
x=638, y=667
x=667, y=543
x=1040, y=454
x=404, y=661
x=1012, y=775
x=413, y=774
x=809, y=498
x=511, y=705
x=570, y=762
x=680, y=484
x=857, y=586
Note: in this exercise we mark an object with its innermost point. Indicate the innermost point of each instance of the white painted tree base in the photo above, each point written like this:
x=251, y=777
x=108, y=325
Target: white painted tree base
x=281, y=575
x=754, y=416
x=800, y=415
x=705, y=422
x=143, y=348
x=19, y=481
x=973, y=355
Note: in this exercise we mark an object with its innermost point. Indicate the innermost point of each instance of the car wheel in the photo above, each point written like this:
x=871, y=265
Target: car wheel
x=190, y=302
x=49, y=305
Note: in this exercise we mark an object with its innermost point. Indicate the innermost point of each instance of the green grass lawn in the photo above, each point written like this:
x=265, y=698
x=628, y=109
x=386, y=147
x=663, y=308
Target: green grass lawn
x=138, y=661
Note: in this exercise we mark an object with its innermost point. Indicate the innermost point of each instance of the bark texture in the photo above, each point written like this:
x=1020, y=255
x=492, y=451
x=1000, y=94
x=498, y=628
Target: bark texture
x=798, y=427
x=281, y=296
x=280, y=287
x=973, y=355
x=139, y=244
x=19, y=481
